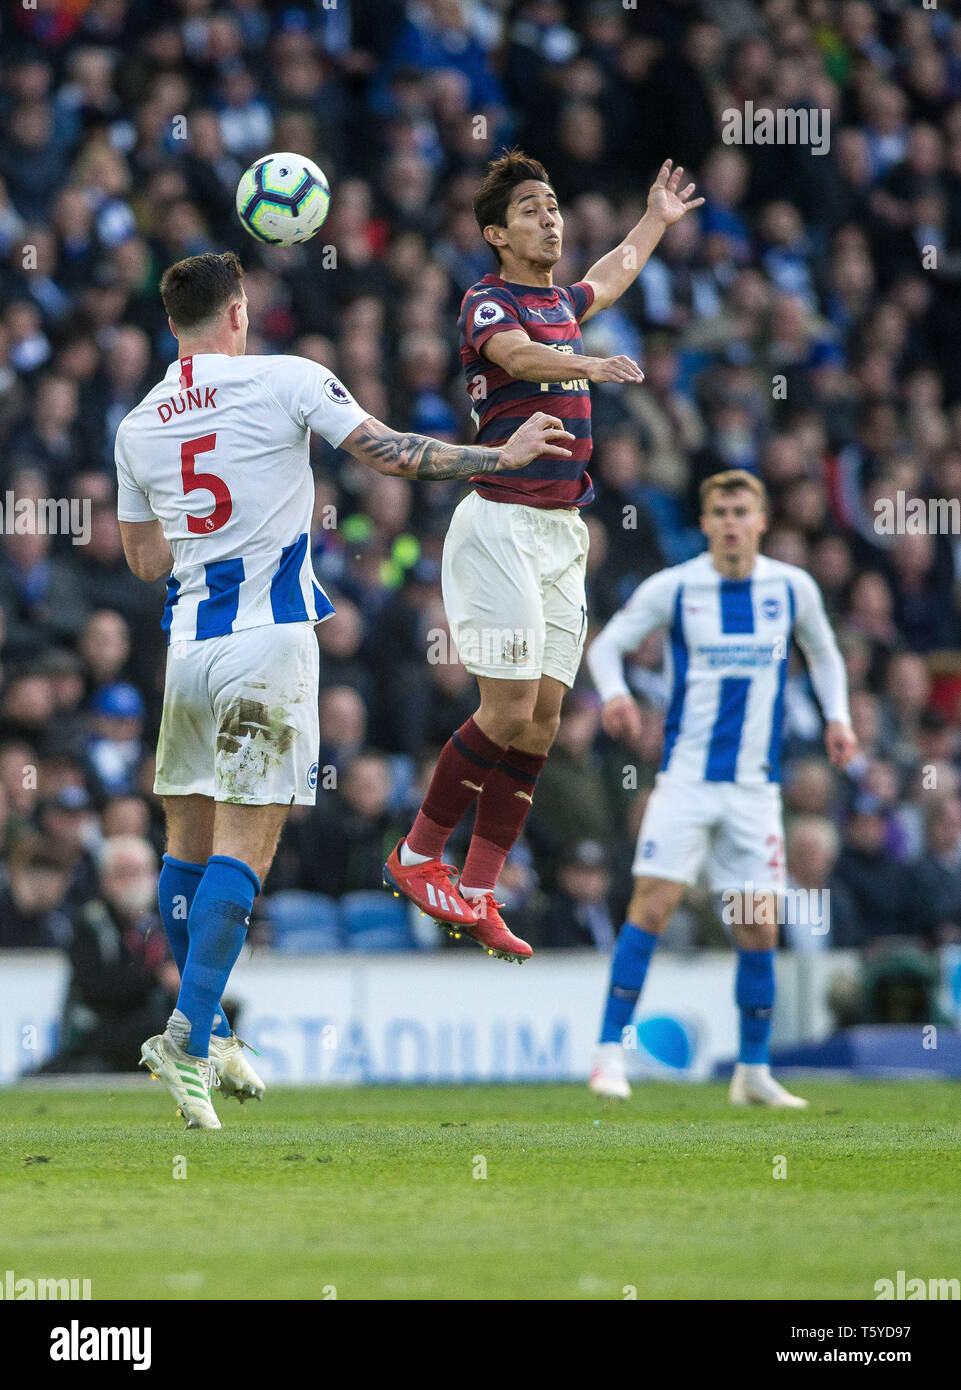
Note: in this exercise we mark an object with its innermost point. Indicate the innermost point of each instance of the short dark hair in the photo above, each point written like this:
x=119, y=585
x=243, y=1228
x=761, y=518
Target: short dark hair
x=198, y=287
x=492, y=199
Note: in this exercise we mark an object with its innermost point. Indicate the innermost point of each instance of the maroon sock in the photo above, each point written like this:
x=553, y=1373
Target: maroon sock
x=501, y=813
x=467, y=759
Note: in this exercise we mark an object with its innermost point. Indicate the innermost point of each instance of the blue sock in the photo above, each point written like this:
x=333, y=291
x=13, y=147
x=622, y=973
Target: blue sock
x=217, y=926
x=176, y=889
x=635, y=946
x=754, y=993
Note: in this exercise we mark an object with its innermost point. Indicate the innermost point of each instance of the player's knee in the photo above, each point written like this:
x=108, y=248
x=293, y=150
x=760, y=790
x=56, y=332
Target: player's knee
x=516, y=730
x=509, y=719
x=544, y=728
x=650, y=911
x=756, y=937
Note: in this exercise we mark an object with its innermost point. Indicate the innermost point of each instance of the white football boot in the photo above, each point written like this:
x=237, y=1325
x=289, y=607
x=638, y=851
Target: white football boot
x=754, y=1085
x=609, y=1077
x=236, y=1076
x=188, y=1079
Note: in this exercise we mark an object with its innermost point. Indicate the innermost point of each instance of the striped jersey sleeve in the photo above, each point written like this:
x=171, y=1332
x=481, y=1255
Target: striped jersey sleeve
x=581, y=297
x=493, y=310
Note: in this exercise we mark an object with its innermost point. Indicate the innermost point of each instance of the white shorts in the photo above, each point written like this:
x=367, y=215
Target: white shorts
x=513, y=584
x=240, y=720
x=737, y=831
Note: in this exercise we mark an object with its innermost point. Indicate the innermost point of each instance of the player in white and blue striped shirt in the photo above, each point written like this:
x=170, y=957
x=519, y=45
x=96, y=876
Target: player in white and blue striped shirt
x=730, y=615
x=214, y=487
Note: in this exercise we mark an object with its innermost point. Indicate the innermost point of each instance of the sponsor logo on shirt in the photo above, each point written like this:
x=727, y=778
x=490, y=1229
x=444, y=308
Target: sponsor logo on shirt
x=736, y=653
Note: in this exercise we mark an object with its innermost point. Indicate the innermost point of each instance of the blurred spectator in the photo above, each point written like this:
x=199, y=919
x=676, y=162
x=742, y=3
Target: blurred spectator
x=342, y=843
x=31, y=913
x=123, y=983
x=27, y=704
x=571, y=794
x=53, y=442
x=820, y=912
x=936, y=878
x=115, y=748
x=343, y=727
x=39, y=594
x=104, y=645
x=68, y=819
x=879, y=889
x=578, y=912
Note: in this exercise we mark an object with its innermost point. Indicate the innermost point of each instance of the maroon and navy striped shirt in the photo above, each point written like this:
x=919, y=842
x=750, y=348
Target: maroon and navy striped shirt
x=502, y=403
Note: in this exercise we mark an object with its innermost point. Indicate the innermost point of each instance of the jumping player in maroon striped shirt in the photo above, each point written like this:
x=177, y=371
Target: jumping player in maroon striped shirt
x=516, y=552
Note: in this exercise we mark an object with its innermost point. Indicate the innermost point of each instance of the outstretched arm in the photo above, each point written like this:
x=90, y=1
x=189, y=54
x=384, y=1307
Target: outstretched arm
x=526, y=360
x=616, y=272
x=827, y=671
x=417, y=457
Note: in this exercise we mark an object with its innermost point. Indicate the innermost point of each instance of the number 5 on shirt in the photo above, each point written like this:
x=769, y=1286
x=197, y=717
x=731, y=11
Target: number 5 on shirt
x=208, y=482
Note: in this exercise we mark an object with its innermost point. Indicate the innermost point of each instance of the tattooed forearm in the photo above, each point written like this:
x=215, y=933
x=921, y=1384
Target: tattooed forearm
x=416, y=456
x=435, y=460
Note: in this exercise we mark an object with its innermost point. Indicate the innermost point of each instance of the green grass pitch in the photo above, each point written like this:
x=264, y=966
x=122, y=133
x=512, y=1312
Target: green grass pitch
x=372, y=1193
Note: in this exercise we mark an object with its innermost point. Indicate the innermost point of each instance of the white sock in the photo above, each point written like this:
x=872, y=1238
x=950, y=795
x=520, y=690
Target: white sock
x=473, y=892
x=408, y=857
x=178, y=1026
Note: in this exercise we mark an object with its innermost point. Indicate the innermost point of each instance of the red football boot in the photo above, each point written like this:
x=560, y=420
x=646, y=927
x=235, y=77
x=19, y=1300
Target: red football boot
x=430, y=886
x=490, y=931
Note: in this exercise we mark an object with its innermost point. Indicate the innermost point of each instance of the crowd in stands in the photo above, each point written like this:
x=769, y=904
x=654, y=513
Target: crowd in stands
x=803, y=325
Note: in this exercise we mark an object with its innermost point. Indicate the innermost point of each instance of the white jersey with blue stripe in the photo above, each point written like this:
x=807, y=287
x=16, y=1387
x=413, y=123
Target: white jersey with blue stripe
x=218, y=453
x=727, y=658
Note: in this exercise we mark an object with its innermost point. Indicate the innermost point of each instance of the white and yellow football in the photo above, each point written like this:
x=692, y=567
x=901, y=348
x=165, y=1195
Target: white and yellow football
x=283, y=199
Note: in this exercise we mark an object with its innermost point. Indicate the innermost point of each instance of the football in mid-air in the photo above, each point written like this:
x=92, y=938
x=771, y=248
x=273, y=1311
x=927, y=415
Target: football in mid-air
x=283, y=199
